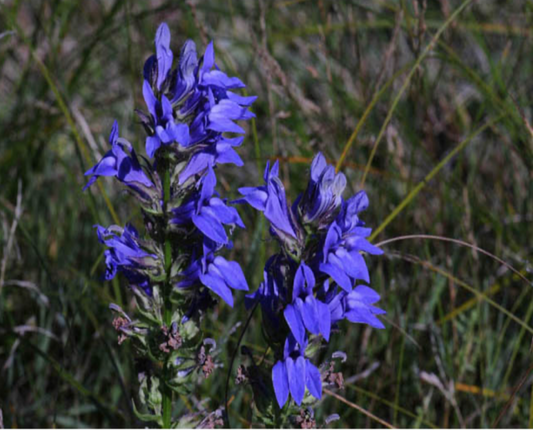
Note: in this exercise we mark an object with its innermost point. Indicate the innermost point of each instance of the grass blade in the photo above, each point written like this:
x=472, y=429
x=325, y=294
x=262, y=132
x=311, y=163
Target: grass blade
x=414, y=192
x=419, y=60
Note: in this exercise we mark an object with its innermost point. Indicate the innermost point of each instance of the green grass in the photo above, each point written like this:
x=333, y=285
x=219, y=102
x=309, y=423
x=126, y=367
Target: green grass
x=428, y=110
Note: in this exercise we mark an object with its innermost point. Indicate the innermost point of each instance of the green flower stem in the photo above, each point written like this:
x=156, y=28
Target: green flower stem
x=167, y=308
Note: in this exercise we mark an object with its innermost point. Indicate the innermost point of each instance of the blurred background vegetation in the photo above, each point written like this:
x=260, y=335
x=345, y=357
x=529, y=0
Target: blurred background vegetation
x=398, y=85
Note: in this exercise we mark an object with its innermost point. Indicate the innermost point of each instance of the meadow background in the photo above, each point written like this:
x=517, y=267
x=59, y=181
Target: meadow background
x=429, y=101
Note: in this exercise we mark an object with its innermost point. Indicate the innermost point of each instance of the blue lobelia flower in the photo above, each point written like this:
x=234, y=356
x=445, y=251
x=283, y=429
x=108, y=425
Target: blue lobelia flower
x=192, y=106
x=306, y=311
x=323, y=196
x=157, y=75
x=270, y=199
x=356, y=306
x=296, y=298
x=125, y=254
x=213, y=149
x=185, y=74
x=212, y=109
x=214, y=272
x=163, y=53
x=118, y=163
x=345, y=239
x=208, y=212
x=165, y=130
x=294, y=373
x=216, y=112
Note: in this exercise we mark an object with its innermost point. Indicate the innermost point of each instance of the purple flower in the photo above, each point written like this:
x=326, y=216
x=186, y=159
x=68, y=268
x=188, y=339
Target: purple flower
x=294, y=373
x=163, y=53
x=356, y=306
x=323, y=195
x=118, y=163
x=208, y=212
x=215, y=273
x=192, y=106
x=185, y=77
x=305, y=311
x=213, y=111
x=270, y=199
x=219, y=152
x=125, y=254
x=162, y=126
x=297, y=300
x=345, y=239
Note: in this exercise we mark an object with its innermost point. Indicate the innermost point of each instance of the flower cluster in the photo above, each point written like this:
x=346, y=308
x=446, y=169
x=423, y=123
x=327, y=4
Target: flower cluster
x=191, y=108
x=128, y=254
x=316, y=280
x=122, y=162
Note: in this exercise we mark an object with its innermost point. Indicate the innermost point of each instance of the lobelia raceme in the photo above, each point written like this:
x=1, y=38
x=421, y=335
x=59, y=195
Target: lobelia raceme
x=176, y=270
x=315, y=281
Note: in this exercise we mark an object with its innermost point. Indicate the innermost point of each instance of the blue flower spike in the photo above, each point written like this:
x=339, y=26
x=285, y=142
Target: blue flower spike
x=317, y=280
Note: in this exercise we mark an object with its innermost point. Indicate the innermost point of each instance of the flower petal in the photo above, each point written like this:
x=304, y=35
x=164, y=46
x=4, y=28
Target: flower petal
x=232, y=273
x=295, y=323
x=313, y=380
x=226, y=214
x=296, y=376
x=210, y=226
x=256, y=197
x=218, y=286
x=324, y=319
x=163, y=53
x=337, y=274
x=309, y=313
x=280, y=381
x=197, y=164
x=150, y=100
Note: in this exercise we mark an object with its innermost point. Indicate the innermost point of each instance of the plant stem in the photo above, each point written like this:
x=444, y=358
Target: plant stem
x=167, y=306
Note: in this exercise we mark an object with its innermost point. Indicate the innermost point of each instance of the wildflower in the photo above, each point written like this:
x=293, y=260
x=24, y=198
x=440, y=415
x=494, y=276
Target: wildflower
x=212, y=420
x=191, y=106
x=214, y=272
x=294, y=373
x=305, y=311
x=124, y=325
x=172, y=338
x=165, y=130
x=120, y=324
x=357, y=306
x=242, y=375
x=334, y=378
x=306, y=419
x=270, y=199
x=118, y=163
x=345, y=239
x=322, y=237
x=176, y=272
x=323, y=195
x=125, y=253
x=205, y=361
x=219, y=152
x=207, y=211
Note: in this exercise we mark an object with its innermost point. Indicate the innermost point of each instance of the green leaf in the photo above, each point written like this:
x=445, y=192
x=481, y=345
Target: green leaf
x=145, y=417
